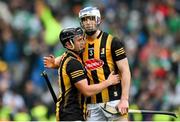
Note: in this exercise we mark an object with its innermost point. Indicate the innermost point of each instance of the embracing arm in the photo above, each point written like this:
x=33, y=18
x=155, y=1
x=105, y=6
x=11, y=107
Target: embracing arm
x=89, y=90
x=78, y=77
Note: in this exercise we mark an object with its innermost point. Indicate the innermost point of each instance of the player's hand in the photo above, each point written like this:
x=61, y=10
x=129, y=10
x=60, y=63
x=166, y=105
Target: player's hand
x=123, y=106
x=49, y=61
x=113, y=79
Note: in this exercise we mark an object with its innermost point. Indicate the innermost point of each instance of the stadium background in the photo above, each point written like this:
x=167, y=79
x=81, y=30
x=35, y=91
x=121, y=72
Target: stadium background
x=29, y=30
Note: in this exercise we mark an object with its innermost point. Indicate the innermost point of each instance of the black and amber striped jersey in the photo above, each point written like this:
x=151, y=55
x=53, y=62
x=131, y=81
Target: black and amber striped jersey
x=99, y=59
x=71, y=101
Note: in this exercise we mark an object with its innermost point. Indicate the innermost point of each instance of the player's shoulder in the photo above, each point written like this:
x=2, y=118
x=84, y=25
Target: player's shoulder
x=114, y=37
x=74, y=65
x=73, y=61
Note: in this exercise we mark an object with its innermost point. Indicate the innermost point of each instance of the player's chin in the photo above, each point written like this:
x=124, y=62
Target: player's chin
x=89, y=29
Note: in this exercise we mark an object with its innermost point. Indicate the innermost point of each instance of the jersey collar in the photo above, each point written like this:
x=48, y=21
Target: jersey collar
x=73, y=54
x=99, y=35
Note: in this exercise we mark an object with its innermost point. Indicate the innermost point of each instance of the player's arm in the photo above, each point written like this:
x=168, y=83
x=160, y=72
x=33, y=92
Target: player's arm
x=123, y=67
x=89, y=90
x=119, y=56
x=78, y=77
x=52, y=62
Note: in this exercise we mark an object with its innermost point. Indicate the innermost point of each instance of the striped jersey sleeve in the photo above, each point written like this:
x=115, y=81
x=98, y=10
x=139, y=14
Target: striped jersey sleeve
x=75, y=70
x=117, y=49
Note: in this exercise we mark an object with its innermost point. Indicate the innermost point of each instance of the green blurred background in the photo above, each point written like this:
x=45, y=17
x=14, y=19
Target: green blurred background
x=29, y=30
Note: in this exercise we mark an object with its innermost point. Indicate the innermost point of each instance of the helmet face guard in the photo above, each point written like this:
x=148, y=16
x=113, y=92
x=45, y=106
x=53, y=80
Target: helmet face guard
x=88, y=12
x=69, y=34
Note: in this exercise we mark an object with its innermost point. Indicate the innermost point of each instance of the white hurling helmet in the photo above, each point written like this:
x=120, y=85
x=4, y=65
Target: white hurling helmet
x=90, y=11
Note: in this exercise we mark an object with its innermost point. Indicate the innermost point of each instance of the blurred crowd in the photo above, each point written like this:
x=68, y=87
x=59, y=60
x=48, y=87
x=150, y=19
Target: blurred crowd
x=29, y=30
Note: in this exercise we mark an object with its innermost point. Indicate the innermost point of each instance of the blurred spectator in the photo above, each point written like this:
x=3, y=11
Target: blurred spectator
x=29, y=95
x=5, y=13
x=30, y=29
x=13, y=100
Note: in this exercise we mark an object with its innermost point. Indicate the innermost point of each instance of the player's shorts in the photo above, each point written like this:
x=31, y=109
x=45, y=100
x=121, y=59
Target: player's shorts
x=70, y=117
x=69, y=114
x=96, y=113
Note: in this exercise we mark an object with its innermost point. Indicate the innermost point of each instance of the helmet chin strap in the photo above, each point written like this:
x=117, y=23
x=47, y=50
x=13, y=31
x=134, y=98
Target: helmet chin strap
x=72, y=48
